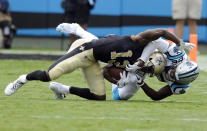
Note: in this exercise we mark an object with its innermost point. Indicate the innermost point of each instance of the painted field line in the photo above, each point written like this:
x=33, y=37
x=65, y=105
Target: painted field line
x=115, y=118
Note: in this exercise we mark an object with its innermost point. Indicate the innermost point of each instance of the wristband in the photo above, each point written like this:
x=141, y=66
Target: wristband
x=141, y=84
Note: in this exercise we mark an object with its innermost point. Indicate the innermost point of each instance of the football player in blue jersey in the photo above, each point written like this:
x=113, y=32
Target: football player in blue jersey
x=85, y=54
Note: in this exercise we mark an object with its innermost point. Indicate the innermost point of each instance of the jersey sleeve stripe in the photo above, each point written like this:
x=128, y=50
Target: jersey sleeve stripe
x=174, y=57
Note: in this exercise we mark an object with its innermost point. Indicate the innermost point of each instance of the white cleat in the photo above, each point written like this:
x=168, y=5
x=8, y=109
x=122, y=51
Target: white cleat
x=59, y=90
x=13, y=87
x=68, y=28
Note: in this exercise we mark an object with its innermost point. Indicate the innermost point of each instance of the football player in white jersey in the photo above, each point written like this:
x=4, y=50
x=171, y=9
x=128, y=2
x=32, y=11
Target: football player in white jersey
x=130, y=83
x=178, y=73
x=177, y=77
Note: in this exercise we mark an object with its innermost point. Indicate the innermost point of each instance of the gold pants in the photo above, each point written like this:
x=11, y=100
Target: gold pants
x=77, y=57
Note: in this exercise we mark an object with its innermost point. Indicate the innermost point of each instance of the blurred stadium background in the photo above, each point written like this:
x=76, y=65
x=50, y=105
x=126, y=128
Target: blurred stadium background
x=38, y=18
x=36, y=21
x=35, y=109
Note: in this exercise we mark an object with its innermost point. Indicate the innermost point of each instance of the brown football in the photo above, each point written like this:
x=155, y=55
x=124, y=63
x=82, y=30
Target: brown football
x=114, y=72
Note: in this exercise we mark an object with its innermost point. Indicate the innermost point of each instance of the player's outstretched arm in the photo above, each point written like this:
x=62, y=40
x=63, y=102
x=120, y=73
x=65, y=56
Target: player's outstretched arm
x=154, y=95
x=75, y=29
x=157, y=95
x=150, y=35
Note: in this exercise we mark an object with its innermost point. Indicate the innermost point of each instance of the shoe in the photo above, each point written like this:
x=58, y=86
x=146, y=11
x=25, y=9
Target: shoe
x=13, y=87
x=59, y=90
x=68, y=28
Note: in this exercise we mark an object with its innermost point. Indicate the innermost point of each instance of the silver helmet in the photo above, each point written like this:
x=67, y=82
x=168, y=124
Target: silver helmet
x=158, y=61
x=186, y=72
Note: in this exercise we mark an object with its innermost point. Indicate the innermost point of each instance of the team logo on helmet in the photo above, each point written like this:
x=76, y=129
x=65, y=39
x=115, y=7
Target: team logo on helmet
x=157, y=61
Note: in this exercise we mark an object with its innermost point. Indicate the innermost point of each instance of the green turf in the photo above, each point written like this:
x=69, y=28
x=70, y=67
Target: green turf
x=33, y=107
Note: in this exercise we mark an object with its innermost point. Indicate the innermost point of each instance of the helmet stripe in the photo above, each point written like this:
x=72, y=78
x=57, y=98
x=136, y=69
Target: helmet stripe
x=188, y=76
x=189, y=71
x=175, y=57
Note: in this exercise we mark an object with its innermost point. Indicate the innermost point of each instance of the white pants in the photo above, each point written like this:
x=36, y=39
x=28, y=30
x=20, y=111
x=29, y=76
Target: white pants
x=125, y=92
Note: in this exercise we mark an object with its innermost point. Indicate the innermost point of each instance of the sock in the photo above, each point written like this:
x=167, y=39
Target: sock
x=65, y=89
x=85, y=93
x=84, y=34
x=38, y=75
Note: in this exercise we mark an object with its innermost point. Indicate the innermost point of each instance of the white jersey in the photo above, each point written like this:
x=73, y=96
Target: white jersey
x=173, y=57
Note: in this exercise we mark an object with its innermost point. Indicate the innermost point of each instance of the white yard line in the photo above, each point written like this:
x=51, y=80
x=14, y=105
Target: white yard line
x=114, y=118
x=194, y=119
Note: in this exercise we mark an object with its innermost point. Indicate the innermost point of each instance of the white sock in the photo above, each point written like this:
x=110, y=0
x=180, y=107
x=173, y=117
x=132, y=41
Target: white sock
x=64, y=89
x=84, y=34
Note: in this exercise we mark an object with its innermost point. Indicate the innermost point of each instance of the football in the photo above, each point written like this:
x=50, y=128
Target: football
x=113, y=72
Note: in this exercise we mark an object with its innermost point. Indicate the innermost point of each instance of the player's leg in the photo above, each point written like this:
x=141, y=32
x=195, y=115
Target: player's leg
x=179, y=13
x=23, y=79
x=124, y=93
x=192, y=26
x=76, y=29
x=65, y=64
x=94, y=78
x=194, y=14
x=179, y=27
x=1, y=38
x=127, y=86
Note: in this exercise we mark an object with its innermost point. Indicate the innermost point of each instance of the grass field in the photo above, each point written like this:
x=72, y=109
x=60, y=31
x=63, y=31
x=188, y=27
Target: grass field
x=33, y=107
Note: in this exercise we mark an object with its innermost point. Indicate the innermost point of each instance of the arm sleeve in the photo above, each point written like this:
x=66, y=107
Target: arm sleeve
x=158, y=44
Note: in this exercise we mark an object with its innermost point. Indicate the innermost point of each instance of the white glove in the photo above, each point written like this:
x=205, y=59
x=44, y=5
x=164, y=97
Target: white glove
x=68, y=28
x=123, y=80
x=186, y=45
x=139, y=79
x=130, y=78
x=132, y=68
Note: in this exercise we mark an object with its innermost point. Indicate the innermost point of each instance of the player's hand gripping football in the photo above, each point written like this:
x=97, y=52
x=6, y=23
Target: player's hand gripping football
x=186, y=45
x=133, y=68
x=68, y=28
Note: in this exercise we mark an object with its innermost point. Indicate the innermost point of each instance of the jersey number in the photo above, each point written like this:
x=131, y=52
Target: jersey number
x=114, y=55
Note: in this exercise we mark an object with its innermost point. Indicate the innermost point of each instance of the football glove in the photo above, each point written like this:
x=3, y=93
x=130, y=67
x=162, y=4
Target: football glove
x=68, y=28
x=133, y=68
x=185, y=45
x=123, y=80
x=129, y=78
x=140, y=81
